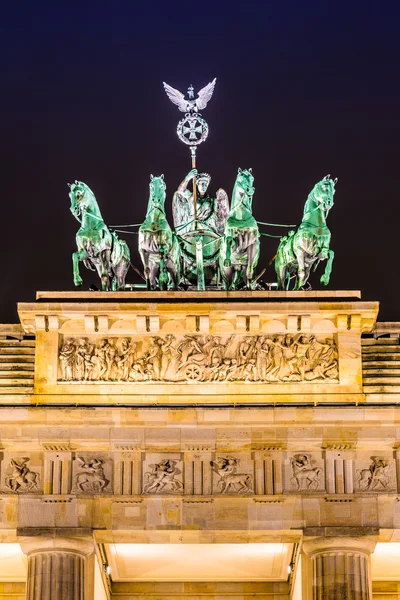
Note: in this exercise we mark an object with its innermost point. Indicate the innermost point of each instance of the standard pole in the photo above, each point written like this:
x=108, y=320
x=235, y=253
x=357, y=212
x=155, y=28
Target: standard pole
x=193, y=153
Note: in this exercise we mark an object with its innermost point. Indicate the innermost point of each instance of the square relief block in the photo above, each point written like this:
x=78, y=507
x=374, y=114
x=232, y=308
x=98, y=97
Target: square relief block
x=304, y=472
x=375, y=473
x=91, y=473
x=22, y=472
x=232, y=473
x=163, y=473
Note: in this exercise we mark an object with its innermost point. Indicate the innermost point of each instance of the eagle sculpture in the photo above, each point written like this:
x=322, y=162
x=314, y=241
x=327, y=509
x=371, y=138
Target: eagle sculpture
x=190, y=104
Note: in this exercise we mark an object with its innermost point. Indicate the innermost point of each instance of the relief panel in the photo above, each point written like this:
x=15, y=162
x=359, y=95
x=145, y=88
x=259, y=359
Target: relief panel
x=22, y=474
x=162, y=473
x=376, y=474
x=91, y=474
x=232, y=474
x=304, y=472
x=279, y=358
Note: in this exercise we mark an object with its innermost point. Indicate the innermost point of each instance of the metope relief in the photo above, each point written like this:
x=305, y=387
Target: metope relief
x=305, y=474
x=378, y=476
x=20, y=478
x=280, y=358
x=230, y=478
x=163, y=477
x=89, y=475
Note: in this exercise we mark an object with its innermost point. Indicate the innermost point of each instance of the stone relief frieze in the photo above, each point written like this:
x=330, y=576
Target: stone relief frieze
x=89, y=476
x=378, y=477
x=305, y=476
x=231, y=479
x=19, y=477
x=162, y=473
x=163, y=477
x=200, y=358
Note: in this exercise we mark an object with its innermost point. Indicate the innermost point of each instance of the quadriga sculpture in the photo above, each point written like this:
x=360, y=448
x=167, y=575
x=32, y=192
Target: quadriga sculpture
x=98, y=247
x=240, y=247
x=309, y=243
x=158, y=245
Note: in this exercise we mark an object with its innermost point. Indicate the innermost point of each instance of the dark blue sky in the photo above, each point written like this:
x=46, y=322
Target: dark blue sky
x=304, y=89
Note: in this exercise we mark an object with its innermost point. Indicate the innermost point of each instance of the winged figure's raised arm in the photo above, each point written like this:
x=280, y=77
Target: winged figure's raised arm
x=176, y=97
x=205, y=94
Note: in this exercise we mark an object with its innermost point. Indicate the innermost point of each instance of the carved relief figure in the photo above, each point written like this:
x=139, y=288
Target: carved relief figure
x=230, y=480
x=377, y=477
x=305, y=477
x=126, y=359
x=92, y=478
x=196, y=358
x=66, y=357
x=163, y=476
x=21, y=479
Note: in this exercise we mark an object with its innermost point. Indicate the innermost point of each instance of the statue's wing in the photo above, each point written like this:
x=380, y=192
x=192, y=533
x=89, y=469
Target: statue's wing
x=205, y=94
x=176, y=97
x=221, y=210
x=180, y=211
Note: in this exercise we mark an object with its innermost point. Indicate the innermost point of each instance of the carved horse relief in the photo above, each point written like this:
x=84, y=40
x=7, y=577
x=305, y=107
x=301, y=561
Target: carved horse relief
x=21, y=478
x=305, y=476
x=92, y=478
x=230, y=480
x=162, y=477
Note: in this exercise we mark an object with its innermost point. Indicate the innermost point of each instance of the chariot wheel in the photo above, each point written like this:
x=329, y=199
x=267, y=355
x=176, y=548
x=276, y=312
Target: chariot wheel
x=193, y=372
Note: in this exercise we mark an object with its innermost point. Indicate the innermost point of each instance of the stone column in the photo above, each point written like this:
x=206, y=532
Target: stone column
x=56, y=567
x=340, y=567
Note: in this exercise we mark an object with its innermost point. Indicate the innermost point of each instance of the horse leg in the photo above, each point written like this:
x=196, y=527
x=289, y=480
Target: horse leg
x=328, y=269
x=251, y=261
x=120, y=271
x=280, y=269
x=228, y=277
x=301, y=273
x=228, y=250
x=163, y=276
x=76, y=257
x=105, y=256
x=173, y=273
x=154, y=270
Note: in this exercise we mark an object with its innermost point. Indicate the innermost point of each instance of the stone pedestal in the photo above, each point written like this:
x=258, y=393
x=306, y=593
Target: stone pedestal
x=340, y=567
x=56, y=567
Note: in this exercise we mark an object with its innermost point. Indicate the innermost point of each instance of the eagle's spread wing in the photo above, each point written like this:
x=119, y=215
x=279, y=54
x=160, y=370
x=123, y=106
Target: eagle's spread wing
x=176, y=97
x=205, y=94
x=222, y=210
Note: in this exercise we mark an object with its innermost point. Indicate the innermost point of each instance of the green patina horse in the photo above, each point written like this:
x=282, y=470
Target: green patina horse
x=309, y=244
x=240, y=247
x=158, y=245
x=98, y=247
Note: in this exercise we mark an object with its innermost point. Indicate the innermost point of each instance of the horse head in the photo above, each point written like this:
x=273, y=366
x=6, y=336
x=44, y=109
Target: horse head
x=323, y=193
x=82, y=198
x=243, y=189
x=157, y=195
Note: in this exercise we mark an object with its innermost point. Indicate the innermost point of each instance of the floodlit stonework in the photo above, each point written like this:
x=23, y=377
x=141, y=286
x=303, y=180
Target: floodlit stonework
x=212, y=445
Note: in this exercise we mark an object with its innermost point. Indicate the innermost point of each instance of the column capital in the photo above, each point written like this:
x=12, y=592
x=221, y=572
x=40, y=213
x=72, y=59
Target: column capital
x=363, y=544
x=82, y=545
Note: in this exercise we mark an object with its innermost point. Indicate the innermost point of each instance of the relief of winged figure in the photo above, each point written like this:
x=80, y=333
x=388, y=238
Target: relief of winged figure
x=190, y=104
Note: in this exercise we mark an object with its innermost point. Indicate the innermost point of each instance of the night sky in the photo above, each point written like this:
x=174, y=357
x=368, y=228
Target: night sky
x=303, y=89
